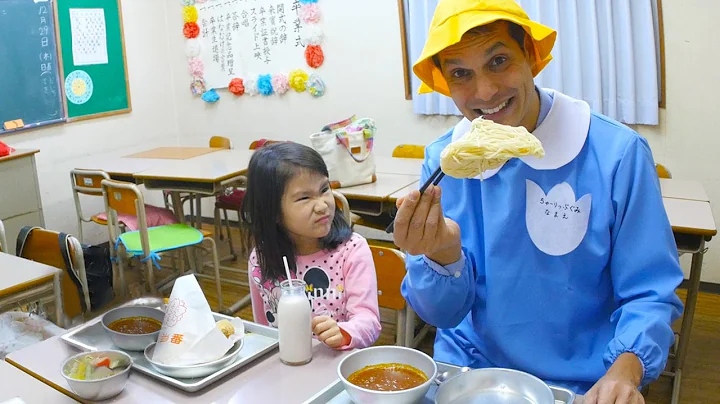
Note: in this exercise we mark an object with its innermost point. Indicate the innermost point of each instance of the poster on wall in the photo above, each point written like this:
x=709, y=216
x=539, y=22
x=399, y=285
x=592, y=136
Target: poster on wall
x=253, y=47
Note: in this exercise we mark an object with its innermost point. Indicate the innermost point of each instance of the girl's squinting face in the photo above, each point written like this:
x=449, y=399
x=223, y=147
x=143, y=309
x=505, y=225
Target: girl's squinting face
x=308, y=209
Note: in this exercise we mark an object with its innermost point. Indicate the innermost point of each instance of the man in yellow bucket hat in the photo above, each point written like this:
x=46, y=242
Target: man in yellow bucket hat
x=565, y=266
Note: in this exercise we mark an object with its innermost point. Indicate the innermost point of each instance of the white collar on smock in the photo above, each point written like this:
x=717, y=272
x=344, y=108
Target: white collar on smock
x=562, y=133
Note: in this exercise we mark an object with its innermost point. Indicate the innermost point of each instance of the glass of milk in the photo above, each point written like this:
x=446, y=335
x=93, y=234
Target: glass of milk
x=294, y=323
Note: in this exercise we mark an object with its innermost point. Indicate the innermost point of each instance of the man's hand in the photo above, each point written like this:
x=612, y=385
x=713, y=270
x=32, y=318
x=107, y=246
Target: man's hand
x=422, y=229
x=620, y=383
x=328, y=332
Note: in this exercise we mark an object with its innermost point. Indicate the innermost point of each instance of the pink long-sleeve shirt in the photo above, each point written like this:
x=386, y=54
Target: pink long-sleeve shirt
x=340, y=283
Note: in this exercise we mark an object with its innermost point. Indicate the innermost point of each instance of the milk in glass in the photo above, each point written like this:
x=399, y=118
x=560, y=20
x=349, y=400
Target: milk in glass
x=294, y=323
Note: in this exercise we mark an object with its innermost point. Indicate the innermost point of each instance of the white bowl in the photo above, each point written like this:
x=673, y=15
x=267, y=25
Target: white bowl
x=101, y=389
x=387, y=354
x=193, y=371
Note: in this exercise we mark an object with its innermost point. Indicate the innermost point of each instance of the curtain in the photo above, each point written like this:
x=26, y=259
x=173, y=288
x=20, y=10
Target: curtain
x=607, y=53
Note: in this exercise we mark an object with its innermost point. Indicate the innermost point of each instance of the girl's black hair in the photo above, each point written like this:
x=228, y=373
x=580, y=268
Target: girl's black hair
x=271, y=168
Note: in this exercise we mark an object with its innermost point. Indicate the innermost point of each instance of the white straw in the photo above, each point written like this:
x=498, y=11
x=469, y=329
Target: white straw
x=287, y=270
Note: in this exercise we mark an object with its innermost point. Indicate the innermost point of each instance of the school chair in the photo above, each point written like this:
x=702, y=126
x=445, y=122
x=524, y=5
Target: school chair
x=148, y=243
x=342, y=204
x=390, y=270
x=3, y=241
x=662, y=171
x=86, y=182
x=231, y=200
x=61, y=251
x=409, y=151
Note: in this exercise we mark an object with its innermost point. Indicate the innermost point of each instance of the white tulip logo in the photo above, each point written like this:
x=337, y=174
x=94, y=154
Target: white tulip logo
x=556, y=222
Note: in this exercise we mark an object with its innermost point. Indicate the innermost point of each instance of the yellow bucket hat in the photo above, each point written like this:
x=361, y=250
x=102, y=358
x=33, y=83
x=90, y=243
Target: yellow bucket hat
x=453, y=18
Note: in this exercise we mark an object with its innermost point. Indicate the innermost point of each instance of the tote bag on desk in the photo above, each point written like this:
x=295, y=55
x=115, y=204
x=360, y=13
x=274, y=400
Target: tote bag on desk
x=347, y=148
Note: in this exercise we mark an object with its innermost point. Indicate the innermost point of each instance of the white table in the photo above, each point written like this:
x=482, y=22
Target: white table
x=17, y=383
x=22, y=281
x=265, y=380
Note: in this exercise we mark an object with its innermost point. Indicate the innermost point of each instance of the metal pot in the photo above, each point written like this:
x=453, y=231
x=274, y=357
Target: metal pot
x=132, y=342
x=492, y=386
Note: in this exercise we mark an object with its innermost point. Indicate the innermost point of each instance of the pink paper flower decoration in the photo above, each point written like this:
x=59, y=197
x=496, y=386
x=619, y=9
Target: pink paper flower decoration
x=280, y=83
x=310, y=13
x=196, y=67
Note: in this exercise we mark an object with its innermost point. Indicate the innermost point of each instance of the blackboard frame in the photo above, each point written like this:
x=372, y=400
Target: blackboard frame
x=59, y=80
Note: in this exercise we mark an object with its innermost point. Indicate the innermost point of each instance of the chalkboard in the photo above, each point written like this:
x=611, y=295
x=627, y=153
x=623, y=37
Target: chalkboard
x=93, y=58
x=30, y=93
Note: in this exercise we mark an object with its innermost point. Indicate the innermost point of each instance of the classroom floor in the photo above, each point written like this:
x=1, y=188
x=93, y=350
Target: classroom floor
x=701, y=378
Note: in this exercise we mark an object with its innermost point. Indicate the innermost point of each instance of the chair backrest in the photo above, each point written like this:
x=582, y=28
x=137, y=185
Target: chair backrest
x=342, y=203
x=390, y=269
x=124, y=197
x=220, y=142
x=3, y=241
x=256, y=144
x=662, y=171
x=43, y=246
x=86, y=182
x=409, y=151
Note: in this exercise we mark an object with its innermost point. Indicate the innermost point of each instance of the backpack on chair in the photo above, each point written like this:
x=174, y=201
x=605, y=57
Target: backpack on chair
x=98, y=269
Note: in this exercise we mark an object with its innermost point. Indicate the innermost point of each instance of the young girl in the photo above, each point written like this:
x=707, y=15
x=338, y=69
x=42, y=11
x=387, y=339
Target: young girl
x=290, y=211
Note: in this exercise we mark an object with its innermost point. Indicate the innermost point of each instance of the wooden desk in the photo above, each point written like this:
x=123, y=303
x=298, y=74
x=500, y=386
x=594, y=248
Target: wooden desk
x=174, y=153
x=122, y=168
x=23, y=280
x=265, y=380
x=204, y=174
x=16, y=383
x=693, y=224
x=374, y=199
x=683, y=189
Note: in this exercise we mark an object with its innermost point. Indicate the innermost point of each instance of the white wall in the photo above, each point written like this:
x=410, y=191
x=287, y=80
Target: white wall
x=153, y=121
x=362, y=71
x=364, y=76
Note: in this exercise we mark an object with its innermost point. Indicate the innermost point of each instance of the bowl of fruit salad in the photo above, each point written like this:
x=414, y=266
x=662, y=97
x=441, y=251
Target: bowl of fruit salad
x=97, y=375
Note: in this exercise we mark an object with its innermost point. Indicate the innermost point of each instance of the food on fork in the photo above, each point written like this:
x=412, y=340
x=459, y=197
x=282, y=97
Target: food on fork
x=488, y=145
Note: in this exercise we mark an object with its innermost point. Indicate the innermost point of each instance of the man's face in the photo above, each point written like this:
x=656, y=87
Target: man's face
x=490, y=75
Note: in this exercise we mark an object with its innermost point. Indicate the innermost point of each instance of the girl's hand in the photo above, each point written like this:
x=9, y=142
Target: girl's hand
x=328, y=332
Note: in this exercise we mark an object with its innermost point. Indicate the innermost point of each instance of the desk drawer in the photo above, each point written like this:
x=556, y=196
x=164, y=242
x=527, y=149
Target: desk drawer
x=18, y=188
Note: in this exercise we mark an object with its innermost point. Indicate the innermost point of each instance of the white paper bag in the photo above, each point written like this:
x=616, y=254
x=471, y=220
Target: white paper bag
x=188, y=335
x=347, y=149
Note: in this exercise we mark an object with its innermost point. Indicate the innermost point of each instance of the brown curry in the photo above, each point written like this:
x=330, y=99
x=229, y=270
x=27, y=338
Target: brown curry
x=388, y=377
x=135, y=325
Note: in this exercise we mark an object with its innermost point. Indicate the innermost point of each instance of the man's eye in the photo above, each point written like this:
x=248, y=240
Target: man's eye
x=460, y=73
x=498, y=61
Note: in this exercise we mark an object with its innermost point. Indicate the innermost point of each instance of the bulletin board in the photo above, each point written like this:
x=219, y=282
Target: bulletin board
x=260, y=47
x=94, y=67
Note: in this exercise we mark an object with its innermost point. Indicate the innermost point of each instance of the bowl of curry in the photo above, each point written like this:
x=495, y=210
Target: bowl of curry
x=387, y=375
x=133, y=328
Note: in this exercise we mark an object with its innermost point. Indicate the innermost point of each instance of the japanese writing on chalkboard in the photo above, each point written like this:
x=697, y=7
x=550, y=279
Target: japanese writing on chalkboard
x=559, y=210
x=45, y=56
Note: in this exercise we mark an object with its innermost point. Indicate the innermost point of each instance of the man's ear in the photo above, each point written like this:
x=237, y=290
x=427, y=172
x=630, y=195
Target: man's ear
x=530, y=51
